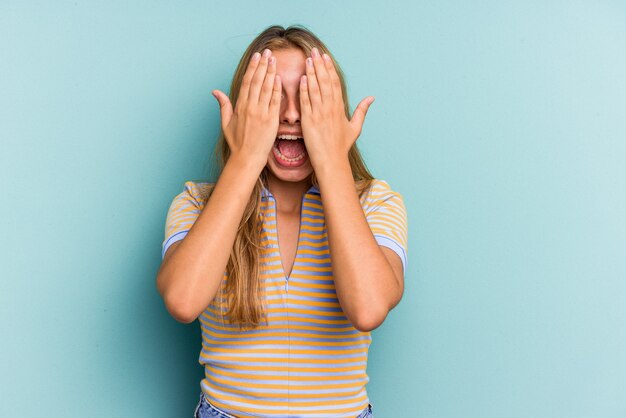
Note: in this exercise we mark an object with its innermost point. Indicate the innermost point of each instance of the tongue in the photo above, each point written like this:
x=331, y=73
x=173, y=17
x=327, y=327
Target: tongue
x=291, y=149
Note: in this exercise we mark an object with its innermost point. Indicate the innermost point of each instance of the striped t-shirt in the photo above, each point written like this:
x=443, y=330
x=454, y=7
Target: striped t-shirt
x=308, y=361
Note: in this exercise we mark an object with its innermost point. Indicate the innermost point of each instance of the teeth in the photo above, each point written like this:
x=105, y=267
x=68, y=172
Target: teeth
x=282, y=157
x=289, y=137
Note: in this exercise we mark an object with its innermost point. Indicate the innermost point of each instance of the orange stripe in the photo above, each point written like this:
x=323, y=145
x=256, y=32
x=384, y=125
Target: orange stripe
x=285, y=334
x=257, y=367
x=252, y=362
x=292, y=404
x=221, y=371
x=283, y=387
x=283, y=342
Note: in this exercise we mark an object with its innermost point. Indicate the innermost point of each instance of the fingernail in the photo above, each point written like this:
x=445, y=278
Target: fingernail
x=314, y=53
x=266, y=53
x=256, y=56
x=272, y=59
x=309, y=61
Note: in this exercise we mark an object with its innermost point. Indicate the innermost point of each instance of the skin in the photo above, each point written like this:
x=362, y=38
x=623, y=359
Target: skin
x=369, y=278
x=288, y=184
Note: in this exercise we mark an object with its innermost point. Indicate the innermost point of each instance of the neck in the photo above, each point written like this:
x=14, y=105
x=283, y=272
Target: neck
x=288, y=194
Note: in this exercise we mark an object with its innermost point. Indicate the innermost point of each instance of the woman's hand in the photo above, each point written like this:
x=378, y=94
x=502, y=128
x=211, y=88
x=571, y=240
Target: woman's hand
x=250, y=130
x=328, y=134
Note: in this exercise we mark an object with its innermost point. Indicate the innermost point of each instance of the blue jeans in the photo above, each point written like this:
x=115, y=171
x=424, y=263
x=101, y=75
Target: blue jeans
x=205, y=409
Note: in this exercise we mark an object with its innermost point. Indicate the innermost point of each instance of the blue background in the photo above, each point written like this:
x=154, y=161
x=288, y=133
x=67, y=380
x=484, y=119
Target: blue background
x=502, y=124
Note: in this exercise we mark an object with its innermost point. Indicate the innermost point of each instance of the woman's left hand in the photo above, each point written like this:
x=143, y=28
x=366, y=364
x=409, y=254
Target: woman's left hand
x=328, y=134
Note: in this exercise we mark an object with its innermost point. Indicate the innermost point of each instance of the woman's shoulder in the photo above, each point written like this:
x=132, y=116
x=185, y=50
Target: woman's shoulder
x=198, y=190
x=377, y=192
x=375, y=187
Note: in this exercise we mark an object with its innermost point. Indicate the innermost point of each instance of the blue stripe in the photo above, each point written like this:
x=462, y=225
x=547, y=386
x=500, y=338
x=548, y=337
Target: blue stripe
x=395, y=246
x=176, y=237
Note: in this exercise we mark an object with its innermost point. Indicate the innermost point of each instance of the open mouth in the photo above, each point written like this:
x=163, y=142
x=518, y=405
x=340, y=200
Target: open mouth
x=289, y=149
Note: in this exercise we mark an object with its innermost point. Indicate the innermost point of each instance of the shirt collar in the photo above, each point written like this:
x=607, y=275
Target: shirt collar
x=265, y=193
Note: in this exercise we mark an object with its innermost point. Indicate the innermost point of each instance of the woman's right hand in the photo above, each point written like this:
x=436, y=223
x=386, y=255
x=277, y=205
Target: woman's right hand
x=250, y=130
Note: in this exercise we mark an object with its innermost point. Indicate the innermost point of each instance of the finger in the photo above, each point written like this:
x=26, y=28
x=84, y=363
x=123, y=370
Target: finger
x=358, y=117
x=305, y=102
x=268, y=84
x=334, y=78
x=276, y=92
x=312, y=87
x=323, y=80
x=247, y=79
x=259, y=76
x=226, y=108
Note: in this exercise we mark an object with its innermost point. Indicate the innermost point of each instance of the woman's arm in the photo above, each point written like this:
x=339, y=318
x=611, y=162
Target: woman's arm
x=368, y=280
x=191, y=274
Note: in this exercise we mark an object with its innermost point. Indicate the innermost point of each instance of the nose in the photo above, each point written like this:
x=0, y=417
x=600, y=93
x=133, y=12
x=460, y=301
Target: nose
x=290, y=110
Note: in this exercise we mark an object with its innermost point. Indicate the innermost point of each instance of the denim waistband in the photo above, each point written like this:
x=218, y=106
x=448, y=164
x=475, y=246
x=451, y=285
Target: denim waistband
x=367, y=412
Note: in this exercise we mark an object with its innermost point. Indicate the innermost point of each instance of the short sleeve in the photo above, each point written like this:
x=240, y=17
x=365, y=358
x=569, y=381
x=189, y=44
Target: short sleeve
x=386, y=215
x=183, y=212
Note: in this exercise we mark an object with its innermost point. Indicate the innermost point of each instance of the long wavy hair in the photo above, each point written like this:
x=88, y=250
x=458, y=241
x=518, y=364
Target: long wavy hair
x=241, y=298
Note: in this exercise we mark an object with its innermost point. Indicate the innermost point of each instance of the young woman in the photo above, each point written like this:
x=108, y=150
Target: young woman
x=296, y=253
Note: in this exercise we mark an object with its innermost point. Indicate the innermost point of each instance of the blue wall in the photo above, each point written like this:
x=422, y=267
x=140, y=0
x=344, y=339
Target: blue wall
x=502, y=125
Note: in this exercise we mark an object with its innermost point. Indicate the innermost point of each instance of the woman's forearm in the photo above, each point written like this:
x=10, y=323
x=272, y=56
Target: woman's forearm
x=190, y=277
x=366, y=285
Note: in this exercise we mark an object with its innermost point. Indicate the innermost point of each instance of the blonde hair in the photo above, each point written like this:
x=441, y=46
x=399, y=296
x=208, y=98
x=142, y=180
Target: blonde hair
x=245, y=299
